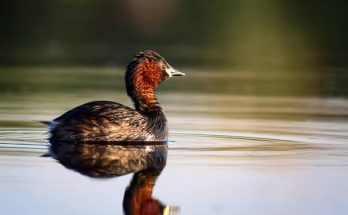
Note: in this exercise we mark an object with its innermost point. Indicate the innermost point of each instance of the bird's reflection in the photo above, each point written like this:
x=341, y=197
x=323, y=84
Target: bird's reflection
x=98, y=160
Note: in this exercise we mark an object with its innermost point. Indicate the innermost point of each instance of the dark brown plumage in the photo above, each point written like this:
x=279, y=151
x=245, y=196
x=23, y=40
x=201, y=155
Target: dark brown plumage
x=111, y=121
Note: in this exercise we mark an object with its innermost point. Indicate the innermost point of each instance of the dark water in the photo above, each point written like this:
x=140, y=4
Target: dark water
x=240, y=143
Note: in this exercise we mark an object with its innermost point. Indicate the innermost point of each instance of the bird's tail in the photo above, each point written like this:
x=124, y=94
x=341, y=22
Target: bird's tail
x=47, y=123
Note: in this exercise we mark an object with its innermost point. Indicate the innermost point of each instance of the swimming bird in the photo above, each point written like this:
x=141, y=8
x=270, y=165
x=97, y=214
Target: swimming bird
x=112, y=121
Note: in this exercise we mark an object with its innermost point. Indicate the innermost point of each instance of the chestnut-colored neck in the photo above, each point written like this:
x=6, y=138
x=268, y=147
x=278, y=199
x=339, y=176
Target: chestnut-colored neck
x=141, y=88
x=146, y=103
x=145, y=99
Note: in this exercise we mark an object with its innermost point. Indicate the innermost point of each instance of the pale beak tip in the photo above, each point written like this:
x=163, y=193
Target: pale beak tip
x=177, y=73
x=173, y=72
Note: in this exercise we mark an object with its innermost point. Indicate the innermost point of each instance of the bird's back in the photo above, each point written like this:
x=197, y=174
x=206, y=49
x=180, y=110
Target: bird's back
x=106, y=121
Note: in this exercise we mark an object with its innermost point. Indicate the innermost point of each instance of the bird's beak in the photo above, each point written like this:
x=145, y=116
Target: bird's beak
x=173, y=72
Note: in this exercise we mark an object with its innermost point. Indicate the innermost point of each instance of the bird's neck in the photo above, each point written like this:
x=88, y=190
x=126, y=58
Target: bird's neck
x=145, y=100
x=146, y=103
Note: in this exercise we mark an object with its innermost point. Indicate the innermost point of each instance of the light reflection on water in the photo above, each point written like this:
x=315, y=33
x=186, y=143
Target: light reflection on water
x=228, y=154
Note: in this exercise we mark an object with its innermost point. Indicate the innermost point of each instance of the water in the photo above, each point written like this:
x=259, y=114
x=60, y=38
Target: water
x=239, y=144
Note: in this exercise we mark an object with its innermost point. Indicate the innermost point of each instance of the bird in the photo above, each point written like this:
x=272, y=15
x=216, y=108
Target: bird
x=111, y=121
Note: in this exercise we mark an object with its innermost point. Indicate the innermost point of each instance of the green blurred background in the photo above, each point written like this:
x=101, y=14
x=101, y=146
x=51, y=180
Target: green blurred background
x=268, y=42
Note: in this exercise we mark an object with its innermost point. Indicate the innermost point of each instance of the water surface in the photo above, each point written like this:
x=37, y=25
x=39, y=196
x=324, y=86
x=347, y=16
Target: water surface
x=239, y=144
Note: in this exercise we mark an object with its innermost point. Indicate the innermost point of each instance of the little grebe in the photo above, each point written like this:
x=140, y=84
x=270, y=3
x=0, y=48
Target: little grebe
x=111, y=121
